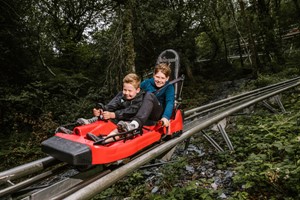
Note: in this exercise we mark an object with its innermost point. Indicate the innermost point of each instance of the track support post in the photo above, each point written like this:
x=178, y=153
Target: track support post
x=225, y=136
x=168, y=155
x=267, y=105
x=277, y=99
x=212, y=142
x=279, y=103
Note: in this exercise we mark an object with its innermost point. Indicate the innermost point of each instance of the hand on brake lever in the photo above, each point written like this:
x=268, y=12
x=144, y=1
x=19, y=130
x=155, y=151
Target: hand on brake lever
x=165, y=121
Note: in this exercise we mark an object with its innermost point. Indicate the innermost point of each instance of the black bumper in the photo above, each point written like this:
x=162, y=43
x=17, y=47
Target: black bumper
x=68, y=151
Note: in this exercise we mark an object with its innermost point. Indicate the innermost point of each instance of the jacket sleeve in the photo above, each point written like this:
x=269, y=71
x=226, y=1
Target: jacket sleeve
x=169, y=101
x=128, y=112
x=115, y=103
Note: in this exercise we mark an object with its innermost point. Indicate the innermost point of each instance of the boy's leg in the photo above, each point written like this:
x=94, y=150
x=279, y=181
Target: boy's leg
x=150, y=109
x=114, y=132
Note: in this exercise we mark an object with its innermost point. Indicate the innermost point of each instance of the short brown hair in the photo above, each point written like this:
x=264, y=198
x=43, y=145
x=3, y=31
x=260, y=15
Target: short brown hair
x=164, y=68
x=132, y=79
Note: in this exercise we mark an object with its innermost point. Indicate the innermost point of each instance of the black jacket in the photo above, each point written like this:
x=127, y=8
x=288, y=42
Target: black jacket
x=125, y=109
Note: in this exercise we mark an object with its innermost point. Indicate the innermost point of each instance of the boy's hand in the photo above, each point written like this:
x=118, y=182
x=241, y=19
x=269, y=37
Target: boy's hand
x=97, y=112
x=166, y=122
x=108, y=115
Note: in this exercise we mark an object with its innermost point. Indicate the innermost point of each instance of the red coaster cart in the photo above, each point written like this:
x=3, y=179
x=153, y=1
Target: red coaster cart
x=77, y=149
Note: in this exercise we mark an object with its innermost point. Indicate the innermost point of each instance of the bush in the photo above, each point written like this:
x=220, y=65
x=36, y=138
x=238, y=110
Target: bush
x=268, y=154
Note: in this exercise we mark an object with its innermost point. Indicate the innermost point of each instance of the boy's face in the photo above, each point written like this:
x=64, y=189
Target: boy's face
x=129, y=91
x=160, y=79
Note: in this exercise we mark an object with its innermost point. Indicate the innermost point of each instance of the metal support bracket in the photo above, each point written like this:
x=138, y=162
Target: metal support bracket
x=225, y=136
x=272, y=109
x=186, y=144
x=265, y=103
x=10, y=183
x=277, y=99
x=212, y=142
x=167, y=157
x=219, y=127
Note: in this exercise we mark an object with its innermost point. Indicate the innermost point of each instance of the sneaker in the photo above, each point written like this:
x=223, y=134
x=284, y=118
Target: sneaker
x=83, y=121
x=93, y=137
x=124, y=126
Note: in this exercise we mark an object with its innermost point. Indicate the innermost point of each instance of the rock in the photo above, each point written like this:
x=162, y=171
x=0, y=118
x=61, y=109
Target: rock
x=223, y=196
x=214, y=186
x=190, y=169
x=154, y=190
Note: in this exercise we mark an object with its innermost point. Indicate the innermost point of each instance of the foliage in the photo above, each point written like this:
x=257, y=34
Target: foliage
x=190, y=191
x=266, y=79
x=267, y=154
x=63, y=36
x=25, y=146
x=32, y=113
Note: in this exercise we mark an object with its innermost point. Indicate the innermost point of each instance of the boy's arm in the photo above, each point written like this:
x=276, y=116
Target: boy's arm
x=169, y=102
x=114, y=104
x=130, y=111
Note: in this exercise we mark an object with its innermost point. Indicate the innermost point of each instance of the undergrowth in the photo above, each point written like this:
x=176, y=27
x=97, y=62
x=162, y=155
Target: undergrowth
x=268, y=153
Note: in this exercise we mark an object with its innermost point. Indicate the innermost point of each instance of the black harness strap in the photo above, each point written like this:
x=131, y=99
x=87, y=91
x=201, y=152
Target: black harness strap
x=170, y=83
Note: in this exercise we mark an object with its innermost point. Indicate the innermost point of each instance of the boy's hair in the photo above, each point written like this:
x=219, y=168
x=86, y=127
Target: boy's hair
x=132, y=79
x=164, y=68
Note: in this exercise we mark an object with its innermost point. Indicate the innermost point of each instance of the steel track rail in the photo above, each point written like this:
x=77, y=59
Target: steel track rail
x=202, y=114
x=233, y=101
x=27, y=169
x=70, y=185
x=28, y=182
x=87, y=180
x=238, y=97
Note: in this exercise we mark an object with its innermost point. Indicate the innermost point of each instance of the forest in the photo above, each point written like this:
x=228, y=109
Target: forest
x=60, y=57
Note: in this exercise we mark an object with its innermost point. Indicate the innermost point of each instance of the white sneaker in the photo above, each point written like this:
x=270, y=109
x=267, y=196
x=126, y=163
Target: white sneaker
x=124, y=126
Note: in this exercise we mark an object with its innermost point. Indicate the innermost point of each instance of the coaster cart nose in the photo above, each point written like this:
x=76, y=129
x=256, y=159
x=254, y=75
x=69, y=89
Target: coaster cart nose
x=75, y=148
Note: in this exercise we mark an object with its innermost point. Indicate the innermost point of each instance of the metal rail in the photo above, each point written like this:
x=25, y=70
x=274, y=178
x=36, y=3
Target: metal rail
x=205, y=111
x=28, y=182
x=85, y=187
x=27, y=169
x=239, y=97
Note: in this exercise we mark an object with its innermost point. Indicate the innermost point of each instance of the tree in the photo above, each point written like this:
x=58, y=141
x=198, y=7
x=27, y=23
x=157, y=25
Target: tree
x=247, y=19
x=161, y=25
x=65, y=25
x=15, y=43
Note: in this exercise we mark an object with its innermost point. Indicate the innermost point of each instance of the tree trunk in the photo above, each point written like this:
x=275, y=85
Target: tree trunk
x=272, y=46
x=251, y=41
x=297, y=7
x=129, y=52
x=239, y=36
x=240, y=51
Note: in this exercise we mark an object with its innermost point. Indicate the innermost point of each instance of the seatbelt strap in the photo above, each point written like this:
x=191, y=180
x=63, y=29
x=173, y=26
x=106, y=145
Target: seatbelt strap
x=181, y=78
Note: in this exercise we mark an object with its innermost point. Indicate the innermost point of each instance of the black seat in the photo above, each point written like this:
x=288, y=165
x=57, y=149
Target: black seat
x=172, y=57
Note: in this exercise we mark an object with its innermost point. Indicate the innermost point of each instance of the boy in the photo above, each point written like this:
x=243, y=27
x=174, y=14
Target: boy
x=123, y=106
x=158, y=103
